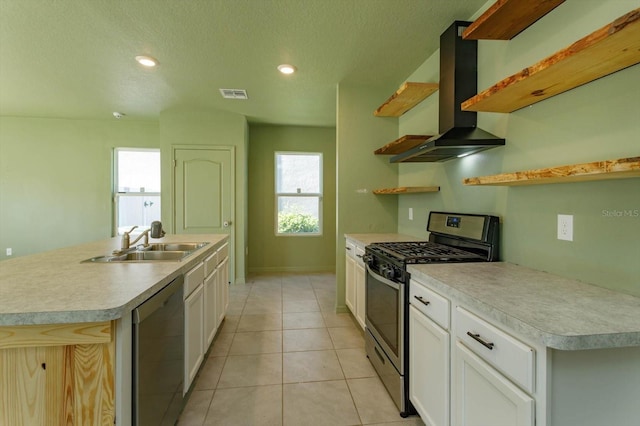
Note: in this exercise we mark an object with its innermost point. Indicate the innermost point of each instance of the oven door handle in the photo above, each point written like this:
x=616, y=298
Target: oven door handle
x=382, y=279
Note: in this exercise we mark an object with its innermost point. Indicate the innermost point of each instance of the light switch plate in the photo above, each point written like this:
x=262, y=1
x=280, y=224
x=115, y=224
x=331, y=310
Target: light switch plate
x=565, y=227
x=410, y=213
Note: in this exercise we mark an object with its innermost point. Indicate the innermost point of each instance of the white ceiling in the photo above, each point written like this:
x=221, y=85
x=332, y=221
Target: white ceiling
x=75, y=58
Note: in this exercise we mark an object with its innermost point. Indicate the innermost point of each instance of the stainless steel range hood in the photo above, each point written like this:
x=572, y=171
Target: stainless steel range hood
x=459, y=135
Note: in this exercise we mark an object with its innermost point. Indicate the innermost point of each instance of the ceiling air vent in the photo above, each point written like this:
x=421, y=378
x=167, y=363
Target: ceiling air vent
x=234, y=93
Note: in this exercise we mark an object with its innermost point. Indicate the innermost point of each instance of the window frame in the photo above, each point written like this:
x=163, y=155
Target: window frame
x=319, y=195
x=117, y=195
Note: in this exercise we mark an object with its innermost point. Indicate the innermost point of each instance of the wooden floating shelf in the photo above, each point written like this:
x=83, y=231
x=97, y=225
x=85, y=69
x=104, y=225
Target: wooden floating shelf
x=623, y=168
x=405, y=98
x=505, y=19
x=605, y=51
x=406, y=190
x=402, y=144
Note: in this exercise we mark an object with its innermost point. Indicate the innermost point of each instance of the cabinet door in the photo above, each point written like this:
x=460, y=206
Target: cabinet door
x=428, y=369
x=210, y=307
x=222, y=284
x=350, y=283
x=193, y=335
x=224, y=280
x=483, y=396
x=360, y=295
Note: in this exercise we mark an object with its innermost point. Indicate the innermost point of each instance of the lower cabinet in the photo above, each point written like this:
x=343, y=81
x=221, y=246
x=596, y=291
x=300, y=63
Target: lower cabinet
x=350, y=277
x=194, y=348
x=211, y=306
x=463, y=370
x=355, y=281
x=222, y=284
x=429, y=369
x=360, y=288
x=206, y=300
x=485, y=397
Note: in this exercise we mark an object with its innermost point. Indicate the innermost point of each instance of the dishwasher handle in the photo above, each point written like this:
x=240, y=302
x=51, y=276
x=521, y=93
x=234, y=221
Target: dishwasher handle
x=157, y=301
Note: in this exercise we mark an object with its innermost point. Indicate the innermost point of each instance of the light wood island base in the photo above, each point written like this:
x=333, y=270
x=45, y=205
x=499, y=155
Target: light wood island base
x=62, y=374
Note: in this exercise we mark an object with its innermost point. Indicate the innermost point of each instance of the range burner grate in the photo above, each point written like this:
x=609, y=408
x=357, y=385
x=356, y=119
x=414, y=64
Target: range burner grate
x=425, y=252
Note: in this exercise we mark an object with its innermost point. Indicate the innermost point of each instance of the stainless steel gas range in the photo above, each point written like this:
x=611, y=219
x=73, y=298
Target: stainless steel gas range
x=454, y=237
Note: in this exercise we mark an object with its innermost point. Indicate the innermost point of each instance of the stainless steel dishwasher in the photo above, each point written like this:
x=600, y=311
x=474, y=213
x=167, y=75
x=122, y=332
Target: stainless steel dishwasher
x=158, y=357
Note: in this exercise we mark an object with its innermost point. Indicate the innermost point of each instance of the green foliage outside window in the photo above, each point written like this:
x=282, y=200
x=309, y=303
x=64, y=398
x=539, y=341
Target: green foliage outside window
x=297, y=223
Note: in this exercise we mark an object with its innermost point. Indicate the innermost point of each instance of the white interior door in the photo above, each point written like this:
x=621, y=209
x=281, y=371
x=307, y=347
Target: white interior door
x=204, y=191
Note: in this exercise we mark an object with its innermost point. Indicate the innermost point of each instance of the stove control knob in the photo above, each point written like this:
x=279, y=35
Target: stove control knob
x=368, y=259
x=388, y=272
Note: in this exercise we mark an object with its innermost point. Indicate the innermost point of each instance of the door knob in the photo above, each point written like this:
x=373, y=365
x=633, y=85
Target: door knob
x=226, y=223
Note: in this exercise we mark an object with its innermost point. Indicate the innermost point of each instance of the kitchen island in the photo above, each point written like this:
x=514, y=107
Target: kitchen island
x=524, y=347
x=65, y=330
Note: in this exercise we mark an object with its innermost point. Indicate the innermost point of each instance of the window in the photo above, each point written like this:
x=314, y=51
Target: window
x=298, y=193
x=136, y=188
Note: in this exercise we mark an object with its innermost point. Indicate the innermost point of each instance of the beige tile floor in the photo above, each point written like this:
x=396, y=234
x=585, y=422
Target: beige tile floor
x=284, y=357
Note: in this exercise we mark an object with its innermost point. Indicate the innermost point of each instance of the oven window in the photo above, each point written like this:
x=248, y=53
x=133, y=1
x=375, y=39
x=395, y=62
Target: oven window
x=382, y=310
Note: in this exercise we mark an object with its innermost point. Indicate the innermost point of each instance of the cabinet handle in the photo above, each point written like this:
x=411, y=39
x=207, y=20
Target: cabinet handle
x=483, y=342
x=421, y=300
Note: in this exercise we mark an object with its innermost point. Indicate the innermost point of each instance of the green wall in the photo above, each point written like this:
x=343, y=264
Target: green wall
x=598, y=121
x=197, y=126
x=359, y=133
x=55, y=179
x=267, y=252
x=55, y=174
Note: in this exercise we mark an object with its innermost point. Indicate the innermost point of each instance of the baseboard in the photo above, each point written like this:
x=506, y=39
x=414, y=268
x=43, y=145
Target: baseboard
x=297, y=269
x=342, y=309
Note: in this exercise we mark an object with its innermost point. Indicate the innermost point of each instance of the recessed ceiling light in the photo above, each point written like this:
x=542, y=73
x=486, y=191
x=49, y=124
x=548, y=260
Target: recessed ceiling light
x=147, y=61
x=286, y=69
x=118, y=115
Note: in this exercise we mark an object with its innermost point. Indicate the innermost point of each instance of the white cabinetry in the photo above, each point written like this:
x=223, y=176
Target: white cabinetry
x=193, y=323
x=493, y=373
x=360, y=287
x=223, y=289
x=482, y=376
x=517, y=360
x=355, y=280
x=211, y=298
x=429, y=360
x=350, y=276
x=206, y=300
x=485, y=397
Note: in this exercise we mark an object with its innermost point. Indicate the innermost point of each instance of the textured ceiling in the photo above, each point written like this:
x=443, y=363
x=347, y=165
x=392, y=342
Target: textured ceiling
x=74, y=58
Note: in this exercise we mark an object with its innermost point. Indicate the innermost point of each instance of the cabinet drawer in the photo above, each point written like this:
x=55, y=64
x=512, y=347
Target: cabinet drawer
x=429, y=303
x=223, y=252
x=210, y=264
x=504, y=352
x=350, y=249
x=193, y=279
x=359, y=255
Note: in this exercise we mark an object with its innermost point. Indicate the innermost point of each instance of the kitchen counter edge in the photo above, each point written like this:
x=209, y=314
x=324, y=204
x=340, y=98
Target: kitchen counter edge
x=557, y=312
x=156, y=276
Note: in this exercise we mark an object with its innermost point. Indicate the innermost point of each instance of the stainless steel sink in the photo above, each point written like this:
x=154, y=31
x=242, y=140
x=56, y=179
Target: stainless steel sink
x=174, y=246
x=153, y=255
x=153, y=252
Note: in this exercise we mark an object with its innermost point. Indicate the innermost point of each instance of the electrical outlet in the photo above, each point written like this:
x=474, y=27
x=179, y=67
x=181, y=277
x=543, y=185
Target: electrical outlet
x=565, y=227
x=410, y=213
x=9, y=251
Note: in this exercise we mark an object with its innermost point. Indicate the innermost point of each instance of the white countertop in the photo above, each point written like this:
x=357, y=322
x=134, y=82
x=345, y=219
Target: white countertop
x=558, y=312
x=55, y=287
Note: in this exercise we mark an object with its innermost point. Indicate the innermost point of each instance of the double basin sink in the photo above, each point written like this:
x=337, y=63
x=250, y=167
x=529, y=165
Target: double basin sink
x=150, y=253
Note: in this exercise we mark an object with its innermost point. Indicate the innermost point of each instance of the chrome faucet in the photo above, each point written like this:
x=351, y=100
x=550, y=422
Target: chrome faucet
x=155, y=230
